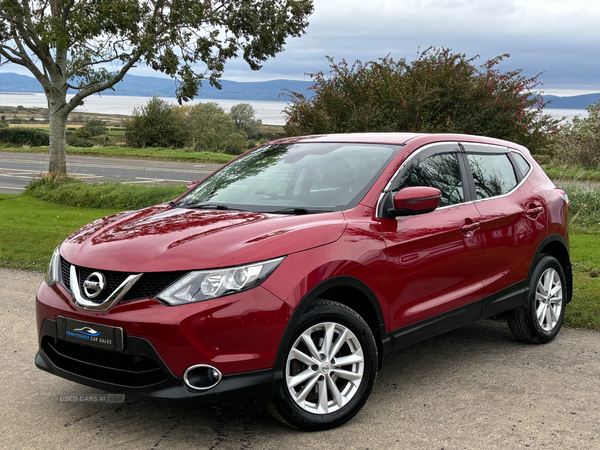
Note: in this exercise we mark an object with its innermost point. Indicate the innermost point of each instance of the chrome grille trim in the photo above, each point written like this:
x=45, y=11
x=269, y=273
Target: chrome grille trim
x=114, y=298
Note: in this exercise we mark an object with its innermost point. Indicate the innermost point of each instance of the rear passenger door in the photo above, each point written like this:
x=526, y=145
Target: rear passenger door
x=513, y=216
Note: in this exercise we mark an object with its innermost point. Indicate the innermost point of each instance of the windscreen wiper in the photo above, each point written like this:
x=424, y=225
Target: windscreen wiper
x=205, y=205
x=299, y=211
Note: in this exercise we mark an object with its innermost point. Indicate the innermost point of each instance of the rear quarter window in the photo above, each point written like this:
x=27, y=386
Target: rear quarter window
x=521, y=163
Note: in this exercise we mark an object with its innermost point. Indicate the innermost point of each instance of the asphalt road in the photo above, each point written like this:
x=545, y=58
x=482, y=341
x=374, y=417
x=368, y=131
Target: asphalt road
x=474, y=388
x=17, y=169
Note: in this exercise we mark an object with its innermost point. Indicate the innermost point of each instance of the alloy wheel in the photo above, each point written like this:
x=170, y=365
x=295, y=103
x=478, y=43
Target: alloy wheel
x=324, y=368
x=548, y=299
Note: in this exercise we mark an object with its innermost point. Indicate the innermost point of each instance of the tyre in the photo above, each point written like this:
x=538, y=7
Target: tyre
x=330, y=368
x=539, y=320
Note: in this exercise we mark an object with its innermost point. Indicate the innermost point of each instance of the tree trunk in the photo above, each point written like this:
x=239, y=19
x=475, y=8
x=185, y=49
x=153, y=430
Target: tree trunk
x=57, y=105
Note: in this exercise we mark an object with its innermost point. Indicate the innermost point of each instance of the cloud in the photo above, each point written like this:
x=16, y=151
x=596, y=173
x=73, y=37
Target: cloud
x=558, y=37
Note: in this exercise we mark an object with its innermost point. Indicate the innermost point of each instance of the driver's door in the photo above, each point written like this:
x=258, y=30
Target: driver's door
x=435, y=259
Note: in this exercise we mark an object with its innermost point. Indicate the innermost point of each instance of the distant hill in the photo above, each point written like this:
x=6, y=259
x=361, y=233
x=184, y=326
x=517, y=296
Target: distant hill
x=574, y=102
x=11, y=82
x=232, y=90
x=146, y=86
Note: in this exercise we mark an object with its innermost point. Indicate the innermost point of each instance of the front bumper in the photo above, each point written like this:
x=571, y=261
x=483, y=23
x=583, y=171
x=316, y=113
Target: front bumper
x=239, y=335
x=138, y=371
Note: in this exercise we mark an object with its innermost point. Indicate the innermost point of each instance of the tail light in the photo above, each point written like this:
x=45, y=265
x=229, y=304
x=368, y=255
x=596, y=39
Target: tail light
x=564, y=196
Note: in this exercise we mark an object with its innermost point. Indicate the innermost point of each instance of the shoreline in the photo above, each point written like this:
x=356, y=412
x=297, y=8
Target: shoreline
x=270, y=112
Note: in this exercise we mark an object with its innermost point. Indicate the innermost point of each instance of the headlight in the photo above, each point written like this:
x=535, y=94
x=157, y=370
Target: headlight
x=53, y=274
x=207, y=284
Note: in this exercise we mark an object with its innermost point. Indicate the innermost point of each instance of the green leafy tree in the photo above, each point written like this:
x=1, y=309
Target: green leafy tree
x=440, y=91
x=245, y=120
x=69, y=44
x=96, y=127
x=212, y=129
x=578, y=144
x=155, y=124
x=80, y=138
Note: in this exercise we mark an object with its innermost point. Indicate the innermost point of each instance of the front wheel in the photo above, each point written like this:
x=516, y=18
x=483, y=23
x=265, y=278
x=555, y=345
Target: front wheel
x=330, y=368
x=539, y=320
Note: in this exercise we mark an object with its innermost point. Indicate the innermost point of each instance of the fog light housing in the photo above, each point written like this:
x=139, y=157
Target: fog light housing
x=202, y=377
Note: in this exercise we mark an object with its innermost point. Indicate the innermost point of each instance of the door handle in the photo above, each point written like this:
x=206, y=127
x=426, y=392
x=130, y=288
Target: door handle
x=534, y=209
x=470, y=227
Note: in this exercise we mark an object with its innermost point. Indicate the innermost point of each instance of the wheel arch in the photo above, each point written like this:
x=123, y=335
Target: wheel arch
x=348, y=291
x=555, y=245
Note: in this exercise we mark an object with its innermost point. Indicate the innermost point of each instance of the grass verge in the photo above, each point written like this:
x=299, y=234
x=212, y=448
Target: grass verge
x=31, y=229
x=73, y=192
x=584, y=213
x=584, y=310
x=155, y=154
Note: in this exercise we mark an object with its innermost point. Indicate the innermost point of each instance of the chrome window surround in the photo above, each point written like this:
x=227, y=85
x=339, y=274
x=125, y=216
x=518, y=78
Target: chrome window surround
x=114, y=298
x=504, y=150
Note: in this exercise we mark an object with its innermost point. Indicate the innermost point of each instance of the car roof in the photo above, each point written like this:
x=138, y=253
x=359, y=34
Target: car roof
x=358, y=138
x=396, y=138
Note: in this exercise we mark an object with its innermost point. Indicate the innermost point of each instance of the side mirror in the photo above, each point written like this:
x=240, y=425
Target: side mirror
x=415, y=200
x=192, y=184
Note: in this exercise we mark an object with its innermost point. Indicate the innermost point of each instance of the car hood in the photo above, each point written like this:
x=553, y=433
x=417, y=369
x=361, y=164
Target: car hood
x=163, y=238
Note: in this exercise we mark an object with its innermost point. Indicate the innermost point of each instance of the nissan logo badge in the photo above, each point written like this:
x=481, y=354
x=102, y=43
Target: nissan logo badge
x=94, y=284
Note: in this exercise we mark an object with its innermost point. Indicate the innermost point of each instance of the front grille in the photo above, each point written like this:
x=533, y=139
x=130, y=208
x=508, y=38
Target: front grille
x=149, y=285
x=65, y=269
x=133, y=370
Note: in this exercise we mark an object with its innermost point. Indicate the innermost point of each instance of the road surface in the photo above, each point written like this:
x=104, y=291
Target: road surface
x=17, y=169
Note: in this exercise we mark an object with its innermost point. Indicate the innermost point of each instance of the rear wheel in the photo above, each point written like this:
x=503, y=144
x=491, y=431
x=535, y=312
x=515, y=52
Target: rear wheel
x=330, y=368
x=540, y=318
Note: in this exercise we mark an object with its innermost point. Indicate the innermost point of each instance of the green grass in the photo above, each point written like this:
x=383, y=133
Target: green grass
x=584, y=213
x=73, y=192
x=31, y=229
x=558, y=174
x=155, y=154
x=584, y=310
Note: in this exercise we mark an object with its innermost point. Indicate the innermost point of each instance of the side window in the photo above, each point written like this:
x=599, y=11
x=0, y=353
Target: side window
x=493, y=174
x=440, y=171
x=522, y=163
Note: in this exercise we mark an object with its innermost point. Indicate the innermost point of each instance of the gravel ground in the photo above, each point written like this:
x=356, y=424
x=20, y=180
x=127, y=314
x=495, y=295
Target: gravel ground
x=474, y=388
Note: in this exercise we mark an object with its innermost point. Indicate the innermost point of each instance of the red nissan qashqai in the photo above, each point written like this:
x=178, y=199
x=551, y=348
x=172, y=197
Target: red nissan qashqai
x=289, y=274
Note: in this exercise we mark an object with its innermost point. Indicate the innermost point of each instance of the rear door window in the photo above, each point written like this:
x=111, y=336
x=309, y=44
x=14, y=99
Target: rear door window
x=493, y=174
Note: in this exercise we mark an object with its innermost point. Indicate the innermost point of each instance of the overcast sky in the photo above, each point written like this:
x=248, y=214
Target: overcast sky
x=558, y=37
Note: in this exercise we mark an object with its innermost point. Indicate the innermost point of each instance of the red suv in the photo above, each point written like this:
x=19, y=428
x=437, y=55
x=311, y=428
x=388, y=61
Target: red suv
x=291, y=272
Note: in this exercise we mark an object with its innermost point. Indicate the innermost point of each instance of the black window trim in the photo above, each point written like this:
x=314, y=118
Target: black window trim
x=516, y=164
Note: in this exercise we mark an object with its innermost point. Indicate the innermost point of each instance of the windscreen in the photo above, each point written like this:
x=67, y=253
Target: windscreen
x=313, y=176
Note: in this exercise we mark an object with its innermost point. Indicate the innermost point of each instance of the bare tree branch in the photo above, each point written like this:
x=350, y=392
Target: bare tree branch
x=22, y=58
x=86, y=92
